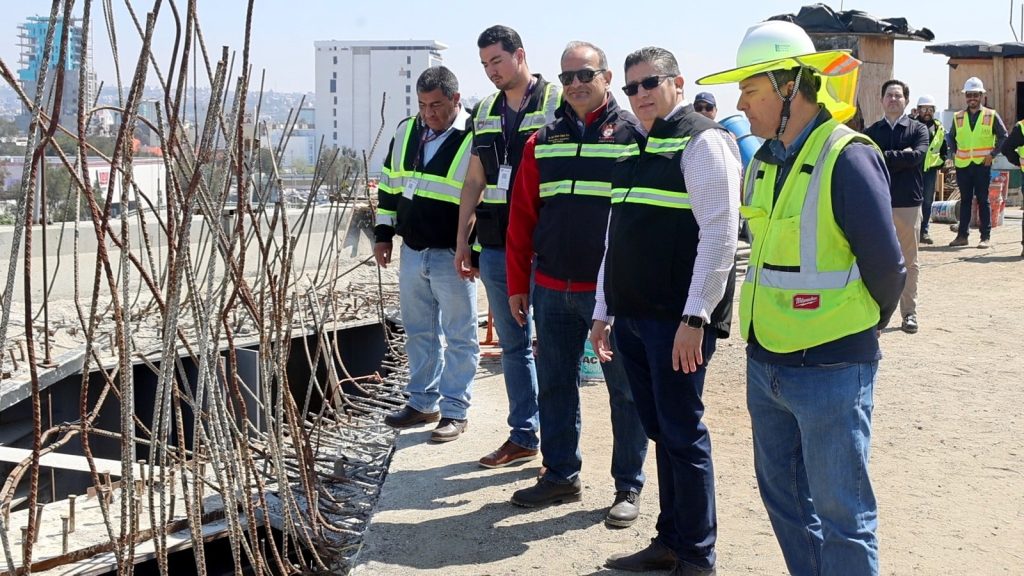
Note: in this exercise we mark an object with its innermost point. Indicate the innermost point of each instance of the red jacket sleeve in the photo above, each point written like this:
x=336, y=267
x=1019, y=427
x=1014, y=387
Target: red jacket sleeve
x=523, y=213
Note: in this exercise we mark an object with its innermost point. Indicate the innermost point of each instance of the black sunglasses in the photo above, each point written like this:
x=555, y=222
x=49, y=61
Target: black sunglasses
x=649, y=83
x=703, y=107
x=585, y=75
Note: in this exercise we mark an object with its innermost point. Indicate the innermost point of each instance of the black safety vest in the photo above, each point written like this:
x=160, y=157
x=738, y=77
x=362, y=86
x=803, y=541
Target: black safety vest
x=490, y=146
x=652, y=244
x=575, y=169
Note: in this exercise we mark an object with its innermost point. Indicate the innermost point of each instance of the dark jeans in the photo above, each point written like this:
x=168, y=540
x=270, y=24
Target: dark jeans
x=563, y=320
x=973, y=183
x=671, y=409
x=929, y=197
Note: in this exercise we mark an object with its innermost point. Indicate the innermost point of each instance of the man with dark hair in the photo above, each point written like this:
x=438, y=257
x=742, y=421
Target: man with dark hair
x=667, y=278
x=558, y=218
x=824, y=277
x=975, y=139
x=503, y=122
x=904, y=145
x=419, y=193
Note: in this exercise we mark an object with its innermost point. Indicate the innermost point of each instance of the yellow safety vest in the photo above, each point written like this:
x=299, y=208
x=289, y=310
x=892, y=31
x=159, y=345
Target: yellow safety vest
x=1020, y=149
x=974, y=145
x=932, y=158
x=803, y=287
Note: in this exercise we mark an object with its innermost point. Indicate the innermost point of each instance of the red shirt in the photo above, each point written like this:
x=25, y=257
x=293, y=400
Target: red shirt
x=524, y=212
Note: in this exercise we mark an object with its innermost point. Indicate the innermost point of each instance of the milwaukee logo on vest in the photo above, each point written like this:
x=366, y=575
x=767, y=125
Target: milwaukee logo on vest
x=806, y=301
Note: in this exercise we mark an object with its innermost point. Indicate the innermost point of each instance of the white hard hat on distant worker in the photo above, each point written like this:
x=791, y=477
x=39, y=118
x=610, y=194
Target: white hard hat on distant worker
x=973, y=84
x=776, y=45
x=926, y=100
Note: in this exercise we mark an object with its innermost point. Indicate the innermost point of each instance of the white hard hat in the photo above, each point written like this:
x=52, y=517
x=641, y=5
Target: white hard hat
x=973, y=84
x=926, y=100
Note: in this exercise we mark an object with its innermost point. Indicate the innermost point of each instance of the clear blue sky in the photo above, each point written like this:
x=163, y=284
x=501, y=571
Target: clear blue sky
x=703, y=35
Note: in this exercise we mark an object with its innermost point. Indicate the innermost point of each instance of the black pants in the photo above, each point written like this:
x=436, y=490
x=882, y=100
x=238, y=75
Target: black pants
x=973, y=183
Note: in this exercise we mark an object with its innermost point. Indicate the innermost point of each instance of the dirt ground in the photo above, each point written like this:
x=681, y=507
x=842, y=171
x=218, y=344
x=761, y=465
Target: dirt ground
x=947, y=460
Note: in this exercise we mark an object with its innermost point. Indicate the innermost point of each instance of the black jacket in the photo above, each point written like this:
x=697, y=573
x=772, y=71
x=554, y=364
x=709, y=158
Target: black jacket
x=904, y=146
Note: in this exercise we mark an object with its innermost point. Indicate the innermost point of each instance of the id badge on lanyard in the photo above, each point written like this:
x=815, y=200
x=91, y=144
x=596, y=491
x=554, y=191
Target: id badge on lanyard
x=410, y=188
x=505, y=170
x=504, y=177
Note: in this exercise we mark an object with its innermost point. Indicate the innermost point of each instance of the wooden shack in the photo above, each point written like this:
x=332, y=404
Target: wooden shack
x=999, y=66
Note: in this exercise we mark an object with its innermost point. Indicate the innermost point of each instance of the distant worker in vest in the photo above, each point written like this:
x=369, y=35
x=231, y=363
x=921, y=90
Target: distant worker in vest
x=419, y=192
x=1013, y=149
x=558, y=219
x=934, y=160
x=704, y=103
x=975, y=138
x=501, y=125
x=824, y=277
x=904, y=145
x=665, y=297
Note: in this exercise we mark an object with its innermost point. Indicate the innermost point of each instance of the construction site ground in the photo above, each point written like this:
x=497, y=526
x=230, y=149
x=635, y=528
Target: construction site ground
x=947, y=453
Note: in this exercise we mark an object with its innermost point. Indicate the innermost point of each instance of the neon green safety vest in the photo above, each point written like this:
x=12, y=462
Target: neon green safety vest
x=974, y=145
x=1020, y=149
x=803, y=287
x=394, y=178
x=932, y=158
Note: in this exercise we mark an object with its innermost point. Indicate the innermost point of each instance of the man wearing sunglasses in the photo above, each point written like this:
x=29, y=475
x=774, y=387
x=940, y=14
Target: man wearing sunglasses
x=974, y=139
x=558, y=218
x=668, y=278
x=704, y=103
x=501, y=125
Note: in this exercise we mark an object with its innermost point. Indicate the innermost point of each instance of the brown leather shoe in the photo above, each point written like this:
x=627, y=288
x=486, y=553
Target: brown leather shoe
x=657, y=556
x=509, y=453
x=409, y=416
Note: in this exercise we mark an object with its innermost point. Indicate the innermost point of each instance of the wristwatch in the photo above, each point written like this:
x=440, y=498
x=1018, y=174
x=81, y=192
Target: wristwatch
x=694, y=321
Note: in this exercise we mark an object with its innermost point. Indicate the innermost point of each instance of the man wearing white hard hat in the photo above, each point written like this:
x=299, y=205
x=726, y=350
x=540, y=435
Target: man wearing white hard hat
x=933, y=161
x=825, y=275
x=975, y=138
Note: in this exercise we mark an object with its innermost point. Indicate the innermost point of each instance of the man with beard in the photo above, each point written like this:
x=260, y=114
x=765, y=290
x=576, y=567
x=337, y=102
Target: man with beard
x=933, y=161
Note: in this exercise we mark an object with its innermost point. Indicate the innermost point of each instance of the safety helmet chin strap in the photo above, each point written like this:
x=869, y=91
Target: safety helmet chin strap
x=786, y=100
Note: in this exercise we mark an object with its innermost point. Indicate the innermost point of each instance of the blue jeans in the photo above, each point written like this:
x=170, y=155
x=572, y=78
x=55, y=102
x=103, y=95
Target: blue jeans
x=929, y=197
x=812, y=439
x=563, y=322
x=670, y=407
x=437, y=303
x=973, y=182
x=516, y=353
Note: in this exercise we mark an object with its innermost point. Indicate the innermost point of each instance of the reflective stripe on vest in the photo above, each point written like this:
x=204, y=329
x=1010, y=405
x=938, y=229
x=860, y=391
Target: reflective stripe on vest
x=932, y=158
x=974, y=145
x=447, y=188
x=386, y=217
x=487, y=122
x=582, y=187
x=794, y=307
x=1020, y=149
x=585, y=150
x=654, y=196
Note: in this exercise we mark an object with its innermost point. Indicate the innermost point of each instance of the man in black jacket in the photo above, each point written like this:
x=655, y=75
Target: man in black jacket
x=904, y=143
x=1012, y=148
x=419, y=193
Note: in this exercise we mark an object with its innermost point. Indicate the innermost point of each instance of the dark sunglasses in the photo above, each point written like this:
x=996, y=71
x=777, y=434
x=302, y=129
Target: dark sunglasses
x=586, y=76
x=703, y=107
x=649, y=83
x=973, y=94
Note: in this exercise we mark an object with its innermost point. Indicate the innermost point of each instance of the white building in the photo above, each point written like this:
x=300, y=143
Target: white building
x=352, y=79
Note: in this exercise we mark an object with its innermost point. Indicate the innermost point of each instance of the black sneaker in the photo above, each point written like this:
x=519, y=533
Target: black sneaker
x=448, y=429
x=909, y=324
x=624, y=510
x=546, y=492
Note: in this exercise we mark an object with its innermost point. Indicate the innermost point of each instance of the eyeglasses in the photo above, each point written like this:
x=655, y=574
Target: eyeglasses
x=703, y=107
x=586, y=75
x=649, y=83
x=973, y=94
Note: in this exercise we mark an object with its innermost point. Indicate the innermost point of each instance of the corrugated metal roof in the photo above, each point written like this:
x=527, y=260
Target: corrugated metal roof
x=976, y=49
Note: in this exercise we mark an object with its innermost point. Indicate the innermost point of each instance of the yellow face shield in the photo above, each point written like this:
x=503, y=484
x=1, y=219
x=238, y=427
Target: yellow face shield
x=839, y=73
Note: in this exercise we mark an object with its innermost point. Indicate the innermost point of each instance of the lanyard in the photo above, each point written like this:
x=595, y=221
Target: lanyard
x=427, y=136
x=507, y=136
